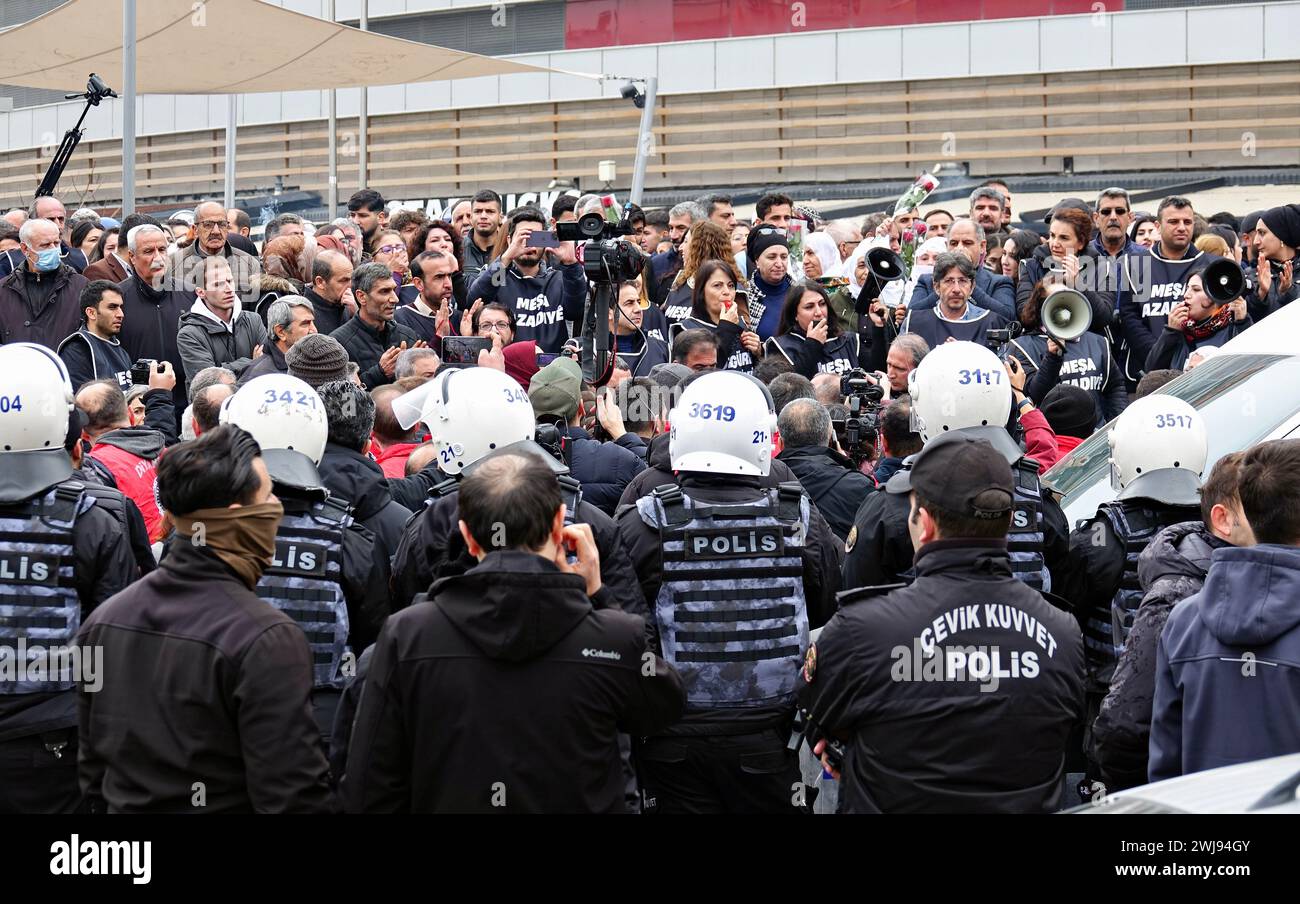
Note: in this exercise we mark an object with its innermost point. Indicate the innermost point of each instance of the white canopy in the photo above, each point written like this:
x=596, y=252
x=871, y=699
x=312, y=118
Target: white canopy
x=221, y=47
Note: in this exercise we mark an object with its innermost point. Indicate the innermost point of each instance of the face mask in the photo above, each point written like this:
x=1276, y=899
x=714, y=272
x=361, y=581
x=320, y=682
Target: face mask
x=243, y=538
x=922, y=270
x=48, y=260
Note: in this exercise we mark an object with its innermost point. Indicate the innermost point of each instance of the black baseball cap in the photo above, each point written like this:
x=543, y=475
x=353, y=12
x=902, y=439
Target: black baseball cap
x=954, y=471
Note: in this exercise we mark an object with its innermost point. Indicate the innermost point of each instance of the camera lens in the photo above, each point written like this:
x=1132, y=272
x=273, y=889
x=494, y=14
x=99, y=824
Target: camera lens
x=592, y=225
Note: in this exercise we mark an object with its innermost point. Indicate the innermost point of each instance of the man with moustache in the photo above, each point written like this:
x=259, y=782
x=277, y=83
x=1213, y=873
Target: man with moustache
x=152, y=307
x=373, y=339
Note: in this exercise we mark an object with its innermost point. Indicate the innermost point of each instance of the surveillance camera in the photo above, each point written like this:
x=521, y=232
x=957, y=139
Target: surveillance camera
x=634, y=94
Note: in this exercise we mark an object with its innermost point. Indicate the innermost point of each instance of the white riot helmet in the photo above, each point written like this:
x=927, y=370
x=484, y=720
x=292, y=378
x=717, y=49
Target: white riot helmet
x=470, y=412
x=962, y=386
x=723, y=424
x=35, y=403
x=288, y=420
x=1157, y=451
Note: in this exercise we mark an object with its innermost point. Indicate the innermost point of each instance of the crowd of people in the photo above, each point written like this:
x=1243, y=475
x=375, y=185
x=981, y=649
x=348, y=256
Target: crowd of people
x=347, y=521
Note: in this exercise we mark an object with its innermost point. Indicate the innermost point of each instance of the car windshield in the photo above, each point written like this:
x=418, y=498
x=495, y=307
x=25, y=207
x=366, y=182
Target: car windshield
x=1243, y=398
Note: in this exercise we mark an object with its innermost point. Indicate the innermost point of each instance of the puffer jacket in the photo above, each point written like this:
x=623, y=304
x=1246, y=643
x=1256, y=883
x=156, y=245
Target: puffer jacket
x=206, y=341
x=1170, y=569
x=603, y=469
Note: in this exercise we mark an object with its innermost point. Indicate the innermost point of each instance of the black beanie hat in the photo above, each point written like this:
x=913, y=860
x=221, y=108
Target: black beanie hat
x=1250, y=220
x=763, y=237
x=1284, y=222
x=1070, y=411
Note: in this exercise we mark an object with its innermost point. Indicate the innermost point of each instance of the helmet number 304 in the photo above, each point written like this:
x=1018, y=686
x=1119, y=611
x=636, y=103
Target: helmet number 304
x=8, y=404
x=712, y=412
x=986, y=377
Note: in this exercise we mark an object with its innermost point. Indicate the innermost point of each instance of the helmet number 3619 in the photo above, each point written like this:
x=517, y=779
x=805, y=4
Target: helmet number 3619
x=712, y=412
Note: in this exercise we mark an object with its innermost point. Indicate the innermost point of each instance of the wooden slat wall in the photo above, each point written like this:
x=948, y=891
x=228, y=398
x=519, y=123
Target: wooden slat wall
x=1164, y=119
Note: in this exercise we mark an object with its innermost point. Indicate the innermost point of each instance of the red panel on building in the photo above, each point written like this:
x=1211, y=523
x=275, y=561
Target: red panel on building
x=613, y=23
x=645, y=22
x=591, y=23
x=1016, y=9
x=761, y=17
x=887, y=12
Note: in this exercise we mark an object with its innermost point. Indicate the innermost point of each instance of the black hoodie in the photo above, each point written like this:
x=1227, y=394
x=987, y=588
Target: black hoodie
x=431, y=547
x=1171, y=568
x=350, y=475
x=505, y=693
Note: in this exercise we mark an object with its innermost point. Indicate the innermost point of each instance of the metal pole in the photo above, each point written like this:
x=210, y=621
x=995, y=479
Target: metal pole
x=128, y=107
x=232, y=127
x=646, y=141
x=333, y=142
x=363, y=125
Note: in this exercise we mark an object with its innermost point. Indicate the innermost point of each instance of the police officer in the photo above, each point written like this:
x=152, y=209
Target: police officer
x=961, y=386
x=735, y=576
x=321, y=575
x=1157, y=454
x=63, y=551
x=469, y=413
x=957, y=693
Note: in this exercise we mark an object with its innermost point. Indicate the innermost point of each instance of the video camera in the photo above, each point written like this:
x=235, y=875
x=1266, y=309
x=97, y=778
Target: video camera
x=605, y=258
x=555, y=443
x=859, y=431
x=995, y=339
x=607, y=261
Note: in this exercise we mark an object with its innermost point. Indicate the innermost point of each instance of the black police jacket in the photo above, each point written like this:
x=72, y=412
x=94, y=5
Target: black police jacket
x=102, y=566
x=931, y=725
x=660, y=472
x=431, y=547
x=879, y=550
x=362, y=574
x=831, y=481
x=821, y=559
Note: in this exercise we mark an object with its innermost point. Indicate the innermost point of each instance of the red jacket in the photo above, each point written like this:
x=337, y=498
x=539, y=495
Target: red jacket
x=392, y=461
x=1040, y=440
x=119, y=451
x=1066, y=444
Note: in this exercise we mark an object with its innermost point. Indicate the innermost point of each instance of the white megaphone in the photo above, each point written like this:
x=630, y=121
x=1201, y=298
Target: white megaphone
x=1066, y=315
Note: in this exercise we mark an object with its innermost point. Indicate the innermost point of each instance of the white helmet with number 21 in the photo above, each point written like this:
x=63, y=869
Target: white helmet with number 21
x=723, y=424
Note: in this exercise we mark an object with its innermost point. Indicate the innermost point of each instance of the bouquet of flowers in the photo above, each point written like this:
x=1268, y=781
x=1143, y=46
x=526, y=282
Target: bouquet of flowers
x=916, y=195
x=912, y=236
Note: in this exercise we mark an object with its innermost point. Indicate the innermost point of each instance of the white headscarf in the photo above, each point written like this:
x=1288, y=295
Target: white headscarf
x=824, y=247
x=850, y=267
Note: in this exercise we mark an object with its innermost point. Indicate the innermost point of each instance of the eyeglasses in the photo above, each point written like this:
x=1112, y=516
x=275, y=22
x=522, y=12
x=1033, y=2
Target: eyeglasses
x=955, y=281
x=494, y=326
x=214, y=225
x=389, y=249
x=1117, y=211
